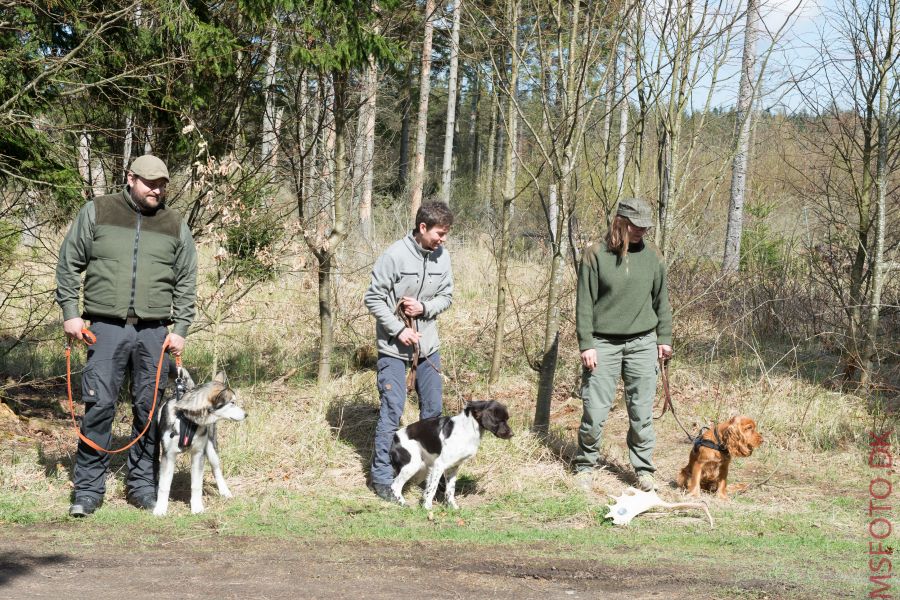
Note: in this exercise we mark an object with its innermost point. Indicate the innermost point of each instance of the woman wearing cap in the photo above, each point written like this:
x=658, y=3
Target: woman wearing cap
x=624, y=325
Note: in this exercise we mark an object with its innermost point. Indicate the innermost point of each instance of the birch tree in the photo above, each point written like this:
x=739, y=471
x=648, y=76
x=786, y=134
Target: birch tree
x=744, y=118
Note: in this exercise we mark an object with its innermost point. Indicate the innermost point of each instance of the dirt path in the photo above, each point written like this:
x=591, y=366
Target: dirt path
x=48, y=562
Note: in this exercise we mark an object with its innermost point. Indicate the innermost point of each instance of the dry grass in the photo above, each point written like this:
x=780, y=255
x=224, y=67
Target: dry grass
x=304, y=437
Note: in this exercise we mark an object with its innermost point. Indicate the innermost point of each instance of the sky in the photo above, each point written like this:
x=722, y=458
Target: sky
x=800, y=28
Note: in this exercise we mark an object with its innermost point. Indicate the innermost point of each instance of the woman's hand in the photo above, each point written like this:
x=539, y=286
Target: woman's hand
x=589, y=359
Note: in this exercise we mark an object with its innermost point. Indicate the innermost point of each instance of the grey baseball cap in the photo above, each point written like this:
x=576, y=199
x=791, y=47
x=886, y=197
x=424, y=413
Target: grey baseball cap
x=637, y=211
x=150, y=168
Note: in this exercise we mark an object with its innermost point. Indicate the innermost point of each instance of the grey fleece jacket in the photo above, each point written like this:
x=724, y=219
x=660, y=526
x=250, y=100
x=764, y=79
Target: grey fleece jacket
x=406, y=269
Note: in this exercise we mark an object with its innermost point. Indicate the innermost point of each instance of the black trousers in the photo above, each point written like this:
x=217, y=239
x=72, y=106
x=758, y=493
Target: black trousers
x=120, y=346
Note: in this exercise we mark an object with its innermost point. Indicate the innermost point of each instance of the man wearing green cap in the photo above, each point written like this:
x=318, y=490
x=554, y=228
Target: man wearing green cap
x=624, y=325
x=140, y=268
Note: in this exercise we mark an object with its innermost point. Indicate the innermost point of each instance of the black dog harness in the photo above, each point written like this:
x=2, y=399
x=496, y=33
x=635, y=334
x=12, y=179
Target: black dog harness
x=702, y=441
x=186, y=427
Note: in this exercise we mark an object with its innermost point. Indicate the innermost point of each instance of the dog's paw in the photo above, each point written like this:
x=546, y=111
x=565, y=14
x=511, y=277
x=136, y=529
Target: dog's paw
x=160, y=510
x=226, y=494
x=426, y=505
x=451, y=502
x=196, y=507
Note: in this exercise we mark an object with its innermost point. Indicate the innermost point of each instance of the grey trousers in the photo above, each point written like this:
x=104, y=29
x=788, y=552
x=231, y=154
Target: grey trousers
x=635, y=359
x=392, y=390
x=118, y=346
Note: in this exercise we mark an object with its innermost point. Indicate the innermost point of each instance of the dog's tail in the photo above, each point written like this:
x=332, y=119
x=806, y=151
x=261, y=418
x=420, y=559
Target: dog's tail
x=399, y=455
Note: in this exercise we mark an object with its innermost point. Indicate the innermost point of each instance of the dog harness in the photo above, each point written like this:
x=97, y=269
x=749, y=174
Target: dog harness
x=186, y=427
x=702, y=441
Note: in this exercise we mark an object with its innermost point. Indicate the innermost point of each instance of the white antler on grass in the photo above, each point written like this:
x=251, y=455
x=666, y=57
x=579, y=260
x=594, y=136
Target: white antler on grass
x=634, y=502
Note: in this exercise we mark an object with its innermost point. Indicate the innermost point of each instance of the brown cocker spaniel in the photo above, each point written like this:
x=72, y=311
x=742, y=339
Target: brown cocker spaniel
x=713, y=450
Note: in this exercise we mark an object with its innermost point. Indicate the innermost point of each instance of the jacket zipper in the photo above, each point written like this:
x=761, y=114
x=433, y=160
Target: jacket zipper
x=134, y=260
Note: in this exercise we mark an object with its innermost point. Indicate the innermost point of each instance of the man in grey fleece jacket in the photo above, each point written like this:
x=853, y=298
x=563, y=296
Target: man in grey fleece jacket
x=412, y=277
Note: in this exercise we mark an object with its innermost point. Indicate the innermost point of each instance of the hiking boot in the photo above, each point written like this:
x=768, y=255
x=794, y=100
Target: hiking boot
x=646, y=483
x=144, y=501
x=84, y=506
x=383, y=491
x=585, y=481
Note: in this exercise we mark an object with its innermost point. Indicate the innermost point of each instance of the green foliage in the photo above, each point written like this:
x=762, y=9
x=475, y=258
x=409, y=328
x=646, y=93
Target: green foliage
x=339, y=35
x=9, y=240
x=251, y=241
x=761, y=248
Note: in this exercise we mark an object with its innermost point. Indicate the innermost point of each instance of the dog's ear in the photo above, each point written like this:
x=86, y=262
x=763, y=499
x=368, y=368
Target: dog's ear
x=221, y=378
x=224, y=396
x=734, y=438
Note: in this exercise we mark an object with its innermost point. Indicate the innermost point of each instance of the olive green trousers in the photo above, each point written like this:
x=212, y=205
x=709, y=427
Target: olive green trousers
x=635, y=360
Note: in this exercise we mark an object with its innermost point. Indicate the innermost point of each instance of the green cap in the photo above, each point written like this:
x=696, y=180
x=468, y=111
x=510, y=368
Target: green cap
x=637, y=211
x=150, y=168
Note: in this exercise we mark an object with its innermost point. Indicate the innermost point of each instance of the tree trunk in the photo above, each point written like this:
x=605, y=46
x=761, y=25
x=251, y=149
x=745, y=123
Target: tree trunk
x=328, y=253
x=487, y=180
x=550, y=355
x=475, y=147
x=744, y=117
x=447, y=168
x=879, y=268
x=572, y=108
x=126, y=147
x=509, y=193
x=148, y=141
x=621, y=154
x=552, y=211
x=406, y=108
x=91, y=169
x=607, y=116
x=269, y=131
x=368, y=155
x=418, y=181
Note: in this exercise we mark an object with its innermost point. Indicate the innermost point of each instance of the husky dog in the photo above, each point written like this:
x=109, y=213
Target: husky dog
x=189, y=424
x=435, y=447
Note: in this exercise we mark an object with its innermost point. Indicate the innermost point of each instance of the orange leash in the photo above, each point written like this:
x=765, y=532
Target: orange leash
x=89, y=339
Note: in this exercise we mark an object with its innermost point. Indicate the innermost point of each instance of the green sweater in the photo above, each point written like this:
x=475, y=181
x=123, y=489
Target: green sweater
x=145, y=262
x=622, y=299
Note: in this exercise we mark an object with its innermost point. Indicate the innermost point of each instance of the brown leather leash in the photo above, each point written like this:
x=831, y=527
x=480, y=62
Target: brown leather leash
x=667, y=396
x=89, y=338
x=410, y=323
x=411, y=376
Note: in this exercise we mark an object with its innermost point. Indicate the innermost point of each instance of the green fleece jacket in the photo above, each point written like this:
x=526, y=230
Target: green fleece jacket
x=622, y=298
x=130, y=260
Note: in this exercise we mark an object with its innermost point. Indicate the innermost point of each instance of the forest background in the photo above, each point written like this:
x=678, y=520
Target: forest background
x=302, y=135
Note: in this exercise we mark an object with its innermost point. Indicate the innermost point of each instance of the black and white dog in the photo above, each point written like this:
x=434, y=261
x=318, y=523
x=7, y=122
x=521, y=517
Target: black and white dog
x=189, y=425
x=433, y=447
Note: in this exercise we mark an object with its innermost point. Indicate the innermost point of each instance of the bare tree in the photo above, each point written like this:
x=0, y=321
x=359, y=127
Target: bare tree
x=569, y=42
x=744, y=118
x=418, y=176
x=447, y=168
x=509, y=187
x=853, y=151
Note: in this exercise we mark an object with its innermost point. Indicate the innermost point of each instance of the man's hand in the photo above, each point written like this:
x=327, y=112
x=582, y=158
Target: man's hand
x=589, y=359
x=408, y=337
x=664, y=351
x=175, y=344
x=411, y=307
x=73, y=328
